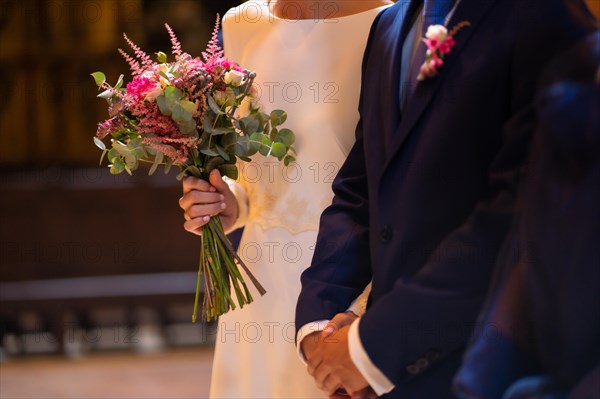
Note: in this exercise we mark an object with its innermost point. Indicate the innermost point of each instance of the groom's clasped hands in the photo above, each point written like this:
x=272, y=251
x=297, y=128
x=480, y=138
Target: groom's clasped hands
x=329, y=362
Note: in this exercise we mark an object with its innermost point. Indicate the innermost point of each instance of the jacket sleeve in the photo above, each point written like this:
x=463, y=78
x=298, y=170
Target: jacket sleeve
x=341, y=268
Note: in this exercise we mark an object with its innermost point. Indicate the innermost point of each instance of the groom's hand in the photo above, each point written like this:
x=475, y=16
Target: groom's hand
x=309, y=344
x=332, y=368
x=311, y=341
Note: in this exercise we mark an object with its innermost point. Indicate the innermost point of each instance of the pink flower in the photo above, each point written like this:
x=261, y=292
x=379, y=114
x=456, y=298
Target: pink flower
x=439, y=42
x=140, y=87
x=227, y=64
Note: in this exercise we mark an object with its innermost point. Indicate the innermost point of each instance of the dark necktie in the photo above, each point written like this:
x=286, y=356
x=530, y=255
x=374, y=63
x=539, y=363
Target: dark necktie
x=434, y=13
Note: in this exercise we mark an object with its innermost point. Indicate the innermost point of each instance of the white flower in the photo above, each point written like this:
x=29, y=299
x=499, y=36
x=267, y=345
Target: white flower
x=437, y=32
x=157, y=91
x=234, y=78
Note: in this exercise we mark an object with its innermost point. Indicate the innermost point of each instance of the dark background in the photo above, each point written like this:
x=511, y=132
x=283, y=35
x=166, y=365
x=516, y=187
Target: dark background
x=78, y=246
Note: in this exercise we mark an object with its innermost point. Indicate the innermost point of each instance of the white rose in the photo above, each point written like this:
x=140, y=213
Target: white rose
x=157, y=91
x=437, y=32
x=234, y=78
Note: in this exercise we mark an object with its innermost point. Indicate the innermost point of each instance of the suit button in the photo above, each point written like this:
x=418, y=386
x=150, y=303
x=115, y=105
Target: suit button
x=422, y=363
x=386, y=233
x=413, y=369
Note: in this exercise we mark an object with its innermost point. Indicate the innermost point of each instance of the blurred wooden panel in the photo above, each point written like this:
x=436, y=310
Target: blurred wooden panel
x=73, y=223
x=594, y=6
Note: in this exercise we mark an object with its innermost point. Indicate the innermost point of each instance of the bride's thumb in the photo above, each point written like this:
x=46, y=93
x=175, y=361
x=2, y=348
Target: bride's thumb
x=216, y=180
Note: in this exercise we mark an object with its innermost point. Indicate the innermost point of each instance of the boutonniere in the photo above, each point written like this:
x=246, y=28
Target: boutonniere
x=439, y=42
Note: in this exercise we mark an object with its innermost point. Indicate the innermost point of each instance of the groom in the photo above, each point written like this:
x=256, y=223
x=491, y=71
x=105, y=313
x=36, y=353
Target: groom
x=424, y=201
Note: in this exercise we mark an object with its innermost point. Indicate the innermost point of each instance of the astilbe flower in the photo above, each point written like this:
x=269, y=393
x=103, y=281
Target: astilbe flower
x=109, y=126
x=147, y=62
x=214, y=53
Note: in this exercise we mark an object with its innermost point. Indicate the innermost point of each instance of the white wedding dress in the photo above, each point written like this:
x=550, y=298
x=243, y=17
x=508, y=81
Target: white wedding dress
x=311, y=69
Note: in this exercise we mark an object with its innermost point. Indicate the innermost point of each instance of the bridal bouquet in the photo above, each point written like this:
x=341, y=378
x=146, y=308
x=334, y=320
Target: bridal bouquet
x=181, y=110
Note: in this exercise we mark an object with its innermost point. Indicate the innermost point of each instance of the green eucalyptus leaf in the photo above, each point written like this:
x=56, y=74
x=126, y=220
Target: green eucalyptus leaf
x=168, y=165
x=120, y=148
x=254, y=126
x=188, y=106
x=230, y=139
x=209, y=152
x=172, y=96
x=265, y=148
x=99, y=78
x=278, y=150
x=164, y=75
x=117, y=166
x=113, y=154
x=180, y=114
x=214, y=106
x=106, y=94
x=278, y=117
x=161, y=101
x=99, y=143
x=229, y=170
x=288, y=159
x=241, y=146
x=286, y=136
x=222, y=130
x=255, y=141
x=119, y=82
x=131, y=162
x=188, y=128
x=214, y=163
x=273, y=133
x=242, y=124
x=158, y=158
x=208, y=121
x=223, y=153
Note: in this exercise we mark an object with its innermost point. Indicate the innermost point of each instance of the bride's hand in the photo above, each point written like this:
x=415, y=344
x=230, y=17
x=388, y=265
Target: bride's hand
x=339, y=320
x=202, y=199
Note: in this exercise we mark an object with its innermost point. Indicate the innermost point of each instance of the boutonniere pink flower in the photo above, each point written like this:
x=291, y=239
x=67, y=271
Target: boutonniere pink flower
x=439, y=43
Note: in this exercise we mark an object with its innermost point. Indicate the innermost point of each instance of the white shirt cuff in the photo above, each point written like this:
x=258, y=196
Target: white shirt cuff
x=305, y=331
x=242, y=203
x=376, y=379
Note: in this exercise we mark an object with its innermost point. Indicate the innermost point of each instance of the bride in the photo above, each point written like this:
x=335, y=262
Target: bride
x=307, y=55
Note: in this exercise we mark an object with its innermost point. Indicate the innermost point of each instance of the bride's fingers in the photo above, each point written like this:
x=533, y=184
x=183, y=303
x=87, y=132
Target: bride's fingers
x=194, y=225
x=196, y=197
x=193, y=183
x=340, y=320
x=196, y=211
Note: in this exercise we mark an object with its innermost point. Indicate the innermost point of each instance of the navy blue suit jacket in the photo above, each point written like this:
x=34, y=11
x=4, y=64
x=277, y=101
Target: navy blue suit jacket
x=426, y=196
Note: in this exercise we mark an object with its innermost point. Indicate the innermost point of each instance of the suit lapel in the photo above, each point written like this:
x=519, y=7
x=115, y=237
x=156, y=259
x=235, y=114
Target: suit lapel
x=472, y=11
